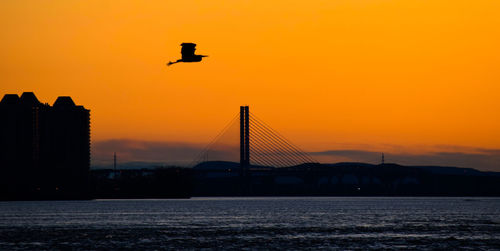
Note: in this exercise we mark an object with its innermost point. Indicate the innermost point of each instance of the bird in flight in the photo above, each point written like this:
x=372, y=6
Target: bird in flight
x=188, y=55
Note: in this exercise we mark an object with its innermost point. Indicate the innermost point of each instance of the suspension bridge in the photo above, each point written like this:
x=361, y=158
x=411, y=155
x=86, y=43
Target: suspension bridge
x=260, y=147
x=249, y=158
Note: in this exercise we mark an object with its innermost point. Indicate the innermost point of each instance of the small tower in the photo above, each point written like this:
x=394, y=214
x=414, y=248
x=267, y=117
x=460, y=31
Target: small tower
x=383, y=159
x=114, y=162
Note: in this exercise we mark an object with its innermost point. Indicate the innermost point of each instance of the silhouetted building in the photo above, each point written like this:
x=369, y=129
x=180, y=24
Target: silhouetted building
x=44, y=150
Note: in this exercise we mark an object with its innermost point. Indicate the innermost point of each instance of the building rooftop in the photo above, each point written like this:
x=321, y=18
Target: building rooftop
x=64, y=101
x=29, y=98
x=10, y=99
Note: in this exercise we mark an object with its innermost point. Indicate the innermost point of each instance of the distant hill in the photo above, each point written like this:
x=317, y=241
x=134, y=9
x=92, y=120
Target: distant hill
x=223, y=178
x=447, y=170
x=132, y=165
x=220, y=178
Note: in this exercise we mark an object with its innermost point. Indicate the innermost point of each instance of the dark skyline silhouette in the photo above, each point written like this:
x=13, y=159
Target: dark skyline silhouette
x=270, y=165
x=45, y=154
x=44, y=150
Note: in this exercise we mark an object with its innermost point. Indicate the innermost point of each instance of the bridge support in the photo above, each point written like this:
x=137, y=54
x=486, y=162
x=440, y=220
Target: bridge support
x=244, y=139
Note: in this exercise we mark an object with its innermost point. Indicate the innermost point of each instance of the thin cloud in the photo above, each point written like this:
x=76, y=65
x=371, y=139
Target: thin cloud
x=184, y=154
x=481, y=159
x=166, y=153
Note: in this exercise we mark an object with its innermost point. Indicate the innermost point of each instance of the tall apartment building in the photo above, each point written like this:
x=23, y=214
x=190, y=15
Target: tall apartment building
x=44, y=150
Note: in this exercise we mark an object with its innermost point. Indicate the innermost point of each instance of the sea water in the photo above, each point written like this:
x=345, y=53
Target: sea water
x=344, y=223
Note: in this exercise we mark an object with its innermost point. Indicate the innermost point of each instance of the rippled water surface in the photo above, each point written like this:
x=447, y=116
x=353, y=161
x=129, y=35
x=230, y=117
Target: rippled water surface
x=253, y=223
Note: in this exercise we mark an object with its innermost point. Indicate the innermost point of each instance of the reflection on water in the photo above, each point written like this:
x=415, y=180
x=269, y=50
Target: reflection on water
x=264, y=223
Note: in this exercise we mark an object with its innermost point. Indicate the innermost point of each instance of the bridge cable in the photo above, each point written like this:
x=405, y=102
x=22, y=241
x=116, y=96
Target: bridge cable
x=215, y=139
x=266, y=152
x=291, y=151
x=273, y=142
x=305, y=155
x=279, y=149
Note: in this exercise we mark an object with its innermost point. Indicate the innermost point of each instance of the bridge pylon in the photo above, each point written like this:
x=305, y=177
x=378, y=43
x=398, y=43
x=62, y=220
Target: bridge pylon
x=244, y=140
x=267, y=147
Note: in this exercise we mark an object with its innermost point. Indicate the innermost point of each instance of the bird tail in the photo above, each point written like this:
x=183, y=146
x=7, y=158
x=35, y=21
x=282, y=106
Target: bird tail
x=170, y=63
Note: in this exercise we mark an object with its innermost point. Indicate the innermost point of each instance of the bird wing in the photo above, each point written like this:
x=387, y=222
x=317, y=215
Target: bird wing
x=188, y=49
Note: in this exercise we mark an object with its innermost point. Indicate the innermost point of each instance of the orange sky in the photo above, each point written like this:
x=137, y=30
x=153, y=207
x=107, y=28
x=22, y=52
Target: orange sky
x=371, y=74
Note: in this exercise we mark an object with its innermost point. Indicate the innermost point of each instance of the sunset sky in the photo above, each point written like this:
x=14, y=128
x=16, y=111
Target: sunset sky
x=343, y=79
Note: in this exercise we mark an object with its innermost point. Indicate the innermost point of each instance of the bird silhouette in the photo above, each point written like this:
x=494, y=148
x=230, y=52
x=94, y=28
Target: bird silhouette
x=188, y=55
